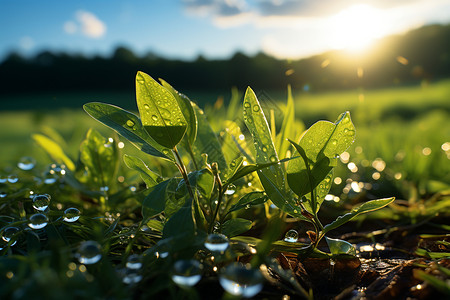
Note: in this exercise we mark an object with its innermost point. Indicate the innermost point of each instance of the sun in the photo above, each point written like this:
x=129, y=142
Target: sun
x=356, y=27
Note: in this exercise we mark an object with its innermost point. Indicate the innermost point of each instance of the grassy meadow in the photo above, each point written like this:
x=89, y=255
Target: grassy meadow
x=410, y=123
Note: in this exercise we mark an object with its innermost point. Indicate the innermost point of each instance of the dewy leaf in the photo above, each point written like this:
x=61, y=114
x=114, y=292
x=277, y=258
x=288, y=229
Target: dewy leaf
x=272, y=178
x=127, y=125
x=148, y=176
x=342, y=137
x=364, y=208
x=250, y=199
x=54, y=150
x=159, y=110
x=155, y=202
x=207, y=142
x=102, y=162
x=236, y=226
x=187, y=110
x=340, y=247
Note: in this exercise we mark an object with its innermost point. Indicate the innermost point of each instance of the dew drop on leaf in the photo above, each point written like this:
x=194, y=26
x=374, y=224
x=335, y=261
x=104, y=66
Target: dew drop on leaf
x=187, y=273
x=71, y=214
x=130, y=123
x=256, y=108
x=26, y=163
x=216, y=242
x=41, y=202
x=291, y=236
x=134, y=262
x=37, y=221
x=247, y=104
x=8, y=234
x=89, y=252
x=13, y=178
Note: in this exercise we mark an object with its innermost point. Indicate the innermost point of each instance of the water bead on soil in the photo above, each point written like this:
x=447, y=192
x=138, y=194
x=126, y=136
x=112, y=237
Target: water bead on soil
x=38, y=221
x=71, y=214
x=89, y=252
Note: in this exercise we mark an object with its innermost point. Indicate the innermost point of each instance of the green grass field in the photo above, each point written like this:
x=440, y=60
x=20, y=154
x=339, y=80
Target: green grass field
x=387, y=121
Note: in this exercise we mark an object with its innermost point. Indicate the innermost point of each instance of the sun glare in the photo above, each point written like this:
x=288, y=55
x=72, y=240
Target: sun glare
x=356, y=27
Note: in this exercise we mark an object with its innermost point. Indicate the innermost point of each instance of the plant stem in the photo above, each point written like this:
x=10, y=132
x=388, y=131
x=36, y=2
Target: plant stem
x=219, y=202
x=183, y=171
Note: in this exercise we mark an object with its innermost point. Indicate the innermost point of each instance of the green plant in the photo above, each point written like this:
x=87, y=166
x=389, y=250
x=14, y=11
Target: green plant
x=169, y=121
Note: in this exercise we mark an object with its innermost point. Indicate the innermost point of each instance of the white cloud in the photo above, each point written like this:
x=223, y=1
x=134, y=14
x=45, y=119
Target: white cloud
x=87, y=23
x=91, y=26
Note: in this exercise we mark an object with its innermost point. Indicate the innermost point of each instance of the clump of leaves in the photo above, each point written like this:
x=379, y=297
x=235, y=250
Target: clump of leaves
x=297, y=185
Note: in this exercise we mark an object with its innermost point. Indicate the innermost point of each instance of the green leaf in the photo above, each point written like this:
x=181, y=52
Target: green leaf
x=54, y=150
x=187, y=110
x=101, y=161
x=148, y=176
x=364, y=208
x=235, y=164
x=159, y=110
x=181, y=224
x=155, y=201
x=287, y=127
x=207, y=142
x=202, y=181
x=342, y=136
x=338, y=247
x=439, y=284
x=244, y=170
x=127, y=125
x=234, y=227
x=272, y=178
x=252, y=198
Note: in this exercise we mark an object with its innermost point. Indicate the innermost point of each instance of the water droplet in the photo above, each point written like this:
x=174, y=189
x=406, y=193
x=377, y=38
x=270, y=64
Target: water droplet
x=3, y=179
x=231, y=190
x=165, y=152
x=264, y=149
x=273, y=158
x=131, y=276
x=38, y=221
x=26, y=163
x=291, y=236
x=247, y=104
x=187, y=273
x=134, y=262
x=130, y=123
x=89, y=253
x=256, y=108
x=104, y=189
x=41, y=202
x=334, y=142
x=146, y=106
x=50, y=177
x=71, y=214
x=216, y=242
x=154, y=117
x=3, y=194
x=13, y=178
x=241, y=280
x=8, y=233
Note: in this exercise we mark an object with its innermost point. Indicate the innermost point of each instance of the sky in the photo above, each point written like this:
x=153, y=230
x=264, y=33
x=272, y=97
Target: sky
x=185, y=29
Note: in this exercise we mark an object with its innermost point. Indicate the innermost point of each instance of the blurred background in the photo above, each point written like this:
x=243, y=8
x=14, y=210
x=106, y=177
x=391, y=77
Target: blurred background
x=387, y=62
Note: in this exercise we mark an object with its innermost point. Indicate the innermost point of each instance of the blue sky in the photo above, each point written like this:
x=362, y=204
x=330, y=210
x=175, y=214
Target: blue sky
x=214, y=28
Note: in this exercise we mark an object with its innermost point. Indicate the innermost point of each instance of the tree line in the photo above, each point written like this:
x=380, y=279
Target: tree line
x=421, y=54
